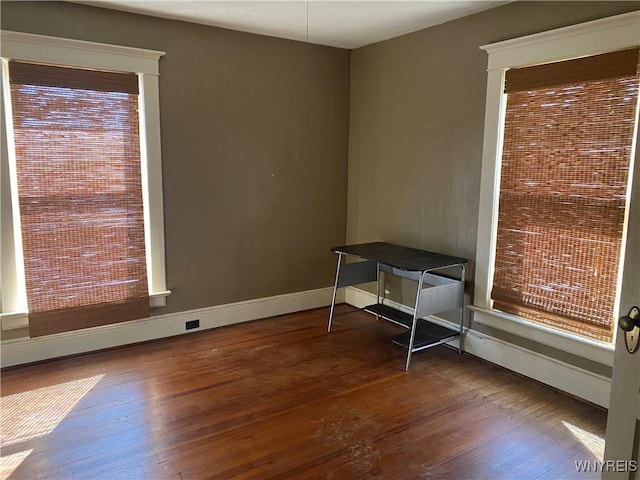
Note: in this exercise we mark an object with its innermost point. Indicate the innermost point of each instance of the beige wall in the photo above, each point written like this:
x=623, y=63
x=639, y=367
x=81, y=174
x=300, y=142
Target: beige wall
x=254, y=150
x=416, y=129
x=417, y=119
x=255, y=132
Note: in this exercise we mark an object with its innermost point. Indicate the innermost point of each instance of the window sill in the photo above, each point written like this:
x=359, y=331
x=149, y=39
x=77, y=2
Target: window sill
x=158, y=299
x=593, y=350
x=17, y=320
x=14, y=320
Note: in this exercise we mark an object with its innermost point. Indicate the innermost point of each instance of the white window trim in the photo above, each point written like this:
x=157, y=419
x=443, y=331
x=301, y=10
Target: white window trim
x=62, y=51
x=595, y=37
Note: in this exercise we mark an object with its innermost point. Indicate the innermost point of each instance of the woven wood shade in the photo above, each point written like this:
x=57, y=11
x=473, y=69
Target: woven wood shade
x=564, y=180
x=80, y=196
x=623, y=63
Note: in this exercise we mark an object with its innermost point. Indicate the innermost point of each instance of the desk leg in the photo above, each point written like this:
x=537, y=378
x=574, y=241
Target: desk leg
x=378, y=287
x=378, y=283
x=335, y=291
x=414, y=324
x=462, y=310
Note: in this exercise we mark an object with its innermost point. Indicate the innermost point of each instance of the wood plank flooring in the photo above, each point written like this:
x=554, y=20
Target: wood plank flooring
x=282, y=399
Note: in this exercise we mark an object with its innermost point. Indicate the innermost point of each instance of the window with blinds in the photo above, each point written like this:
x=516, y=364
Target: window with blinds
x=77, y=154
x=568, y=138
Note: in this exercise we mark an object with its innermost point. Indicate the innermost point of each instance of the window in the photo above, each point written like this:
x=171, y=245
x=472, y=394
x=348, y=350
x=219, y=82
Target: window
x=516, y=243
x=568, y=137
x=84, y=218
x=77, y=152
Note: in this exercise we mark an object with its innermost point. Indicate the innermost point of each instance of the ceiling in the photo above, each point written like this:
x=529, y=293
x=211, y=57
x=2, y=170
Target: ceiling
x=337, y=23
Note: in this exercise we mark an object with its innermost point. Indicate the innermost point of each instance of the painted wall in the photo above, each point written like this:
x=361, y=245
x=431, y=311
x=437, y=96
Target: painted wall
x=255, y=133
x=254, y=149
x=416, y=130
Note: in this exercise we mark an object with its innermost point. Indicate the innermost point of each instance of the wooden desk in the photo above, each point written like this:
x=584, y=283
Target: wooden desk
x=436, y=293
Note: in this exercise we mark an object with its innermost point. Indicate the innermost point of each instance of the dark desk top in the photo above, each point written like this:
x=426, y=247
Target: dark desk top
x=397, y=256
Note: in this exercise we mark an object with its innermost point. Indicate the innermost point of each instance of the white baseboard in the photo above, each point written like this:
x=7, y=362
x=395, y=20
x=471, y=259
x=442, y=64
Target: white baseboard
x=581, y=383
x=550, y=371
x=27, y=350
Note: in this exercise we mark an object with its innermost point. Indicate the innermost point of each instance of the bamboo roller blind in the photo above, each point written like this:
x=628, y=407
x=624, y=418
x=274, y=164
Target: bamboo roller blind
x=80, y=196
x=568, y=137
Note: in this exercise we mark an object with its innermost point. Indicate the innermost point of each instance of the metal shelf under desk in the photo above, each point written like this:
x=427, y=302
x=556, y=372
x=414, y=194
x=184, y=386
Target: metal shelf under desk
x=436, y=293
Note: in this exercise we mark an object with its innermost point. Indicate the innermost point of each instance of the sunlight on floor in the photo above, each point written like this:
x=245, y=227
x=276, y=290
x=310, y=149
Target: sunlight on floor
x=32, y=414
x=593, y=443
x=9, y=463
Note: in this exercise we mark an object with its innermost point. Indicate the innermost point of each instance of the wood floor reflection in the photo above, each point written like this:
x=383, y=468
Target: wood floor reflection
x=282, y=399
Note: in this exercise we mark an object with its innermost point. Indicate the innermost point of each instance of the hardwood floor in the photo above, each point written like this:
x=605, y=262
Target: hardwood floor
x=282, y=399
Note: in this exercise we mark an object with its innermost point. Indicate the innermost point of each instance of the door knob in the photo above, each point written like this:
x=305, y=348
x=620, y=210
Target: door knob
x=630, y=323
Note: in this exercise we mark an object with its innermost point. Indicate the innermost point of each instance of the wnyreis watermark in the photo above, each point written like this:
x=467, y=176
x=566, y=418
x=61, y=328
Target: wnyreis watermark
x=585, y=466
